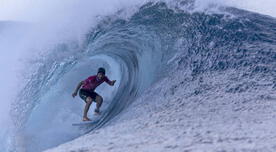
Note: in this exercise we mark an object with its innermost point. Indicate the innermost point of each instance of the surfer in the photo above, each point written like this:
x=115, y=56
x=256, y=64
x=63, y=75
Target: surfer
x=87, y=91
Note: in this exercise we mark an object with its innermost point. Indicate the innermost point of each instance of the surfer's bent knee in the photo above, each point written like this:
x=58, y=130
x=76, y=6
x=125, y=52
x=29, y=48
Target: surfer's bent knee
x=89, y=100
x=99, y=98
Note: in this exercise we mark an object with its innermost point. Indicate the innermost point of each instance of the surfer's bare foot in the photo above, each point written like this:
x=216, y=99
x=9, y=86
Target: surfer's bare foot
x=97, y=113
x=86, y=119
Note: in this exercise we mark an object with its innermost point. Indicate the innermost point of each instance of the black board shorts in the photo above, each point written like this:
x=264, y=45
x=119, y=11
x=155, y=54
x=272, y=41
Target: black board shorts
x=83, y=93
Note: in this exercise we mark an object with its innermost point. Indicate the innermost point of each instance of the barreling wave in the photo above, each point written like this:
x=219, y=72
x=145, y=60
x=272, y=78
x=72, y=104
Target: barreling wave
x=153, y=42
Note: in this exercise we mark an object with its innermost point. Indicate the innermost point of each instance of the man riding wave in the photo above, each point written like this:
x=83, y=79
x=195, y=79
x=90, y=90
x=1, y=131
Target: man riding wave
x=87, y=91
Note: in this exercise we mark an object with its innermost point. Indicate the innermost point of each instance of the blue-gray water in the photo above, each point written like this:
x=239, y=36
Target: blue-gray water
x=152, y=43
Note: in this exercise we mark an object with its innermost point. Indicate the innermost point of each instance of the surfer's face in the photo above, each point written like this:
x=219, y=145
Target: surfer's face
x=100, y=76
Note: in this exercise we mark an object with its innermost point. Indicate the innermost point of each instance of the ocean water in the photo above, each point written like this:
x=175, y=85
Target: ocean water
x=138, y=44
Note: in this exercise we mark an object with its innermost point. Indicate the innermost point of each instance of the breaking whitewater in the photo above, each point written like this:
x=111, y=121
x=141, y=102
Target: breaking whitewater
x=187, y=81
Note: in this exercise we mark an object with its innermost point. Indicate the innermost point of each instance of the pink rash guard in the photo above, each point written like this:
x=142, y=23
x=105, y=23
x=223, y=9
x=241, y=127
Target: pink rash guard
x=92, y=82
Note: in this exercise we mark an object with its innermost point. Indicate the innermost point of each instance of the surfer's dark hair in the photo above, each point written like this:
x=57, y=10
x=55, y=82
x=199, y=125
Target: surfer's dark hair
x=101, y=70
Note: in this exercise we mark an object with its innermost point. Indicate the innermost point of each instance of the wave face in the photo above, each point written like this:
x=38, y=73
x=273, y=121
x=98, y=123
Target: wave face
x=154, y=42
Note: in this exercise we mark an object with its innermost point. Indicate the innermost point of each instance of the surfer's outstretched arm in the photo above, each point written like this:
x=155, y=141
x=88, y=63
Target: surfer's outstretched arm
x=77, y=89
x=111, y=83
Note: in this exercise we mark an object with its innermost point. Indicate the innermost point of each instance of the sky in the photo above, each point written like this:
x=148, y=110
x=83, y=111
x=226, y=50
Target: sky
x=26, y=10
x=266, y=7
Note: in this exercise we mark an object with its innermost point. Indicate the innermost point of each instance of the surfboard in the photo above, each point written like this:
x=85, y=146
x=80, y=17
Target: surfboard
x=83, y=123
x=87, y=123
